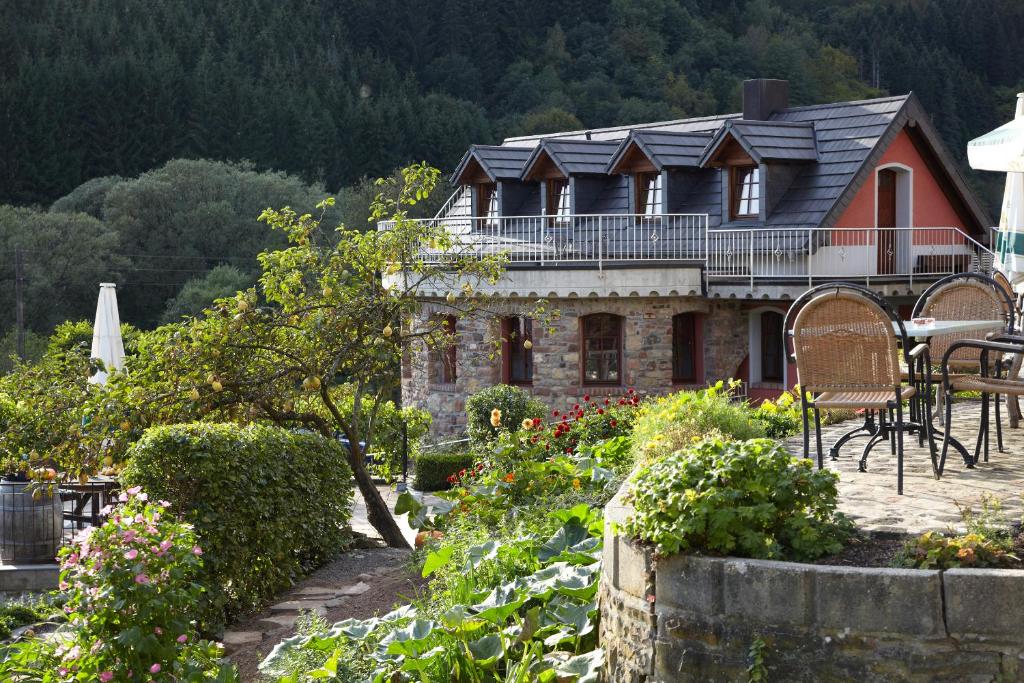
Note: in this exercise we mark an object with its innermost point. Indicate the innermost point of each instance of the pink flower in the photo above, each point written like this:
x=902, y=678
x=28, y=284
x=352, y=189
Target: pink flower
x=123, y=498
x=72, y=560
x=141, y=579
x=106, y=676
x=156, y=516
x=63, y=671
x=139, y=519
x=129, y=535
x=157, y=630
x=164, y=504
x=196, y=550
x=133, y=490
x=155, y=669
x=131, y=554
x=143, y=497
x=73, y=653
x=164, y=545
x=63, y=585
x=150, y=529
x=107, y=509
x=182, y=638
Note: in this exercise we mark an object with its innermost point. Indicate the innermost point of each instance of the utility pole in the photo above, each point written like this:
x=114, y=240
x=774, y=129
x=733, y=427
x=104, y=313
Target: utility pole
x=19, y=302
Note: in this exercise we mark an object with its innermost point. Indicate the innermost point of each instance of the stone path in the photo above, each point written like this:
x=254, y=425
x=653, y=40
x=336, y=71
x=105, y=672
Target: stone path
x=359, y=584
x=870, y=497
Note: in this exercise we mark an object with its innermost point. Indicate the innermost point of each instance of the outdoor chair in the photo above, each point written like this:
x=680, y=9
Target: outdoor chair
x=986, y=381
x=1012, y=402
x=846, y=344
x=966, y=296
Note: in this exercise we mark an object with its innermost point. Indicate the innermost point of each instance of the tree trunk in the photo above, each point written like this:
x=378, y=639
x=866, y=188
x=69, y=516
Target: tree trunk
x=376, y=509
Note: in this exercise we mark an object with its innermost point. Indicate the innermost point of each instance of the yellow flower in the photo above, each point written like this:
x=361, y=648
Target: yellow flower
x=576, y=483
x=786, y=400
x=495, y=418
x=527, y=423
x=769, y=407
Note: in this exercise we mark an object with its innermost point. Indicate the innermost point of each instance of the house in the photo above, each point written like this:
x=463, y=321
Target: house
x=672, y=249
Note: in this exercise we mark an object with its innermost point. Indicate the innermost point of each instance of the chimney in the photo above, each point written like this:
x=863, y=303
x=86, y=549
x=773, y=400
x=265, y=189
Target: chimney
x=764, y=96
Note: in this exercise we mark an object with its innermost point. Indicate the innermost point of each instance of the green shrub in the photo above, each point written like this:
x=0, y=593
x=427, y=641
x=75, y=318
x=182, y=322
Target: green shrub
x=676, y=421
x=434, y=468
x=514, y=406
x=268, y=504
x=743, y=498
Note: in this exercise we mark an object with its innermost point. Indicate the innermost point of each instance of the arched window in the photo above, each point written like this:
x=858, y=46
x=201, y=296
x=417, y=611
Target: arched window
x=516, y=354
x=687, y=350
x=601, y=344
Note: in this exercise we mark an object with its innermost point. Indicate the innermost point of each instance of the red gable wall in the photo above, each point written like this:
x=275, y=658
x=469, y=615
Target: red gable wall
x=931, y=207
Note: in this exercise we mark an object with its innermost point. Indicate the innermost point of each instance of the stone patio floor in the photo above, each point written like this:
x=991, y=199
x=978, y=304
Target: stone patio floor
x=870, y=498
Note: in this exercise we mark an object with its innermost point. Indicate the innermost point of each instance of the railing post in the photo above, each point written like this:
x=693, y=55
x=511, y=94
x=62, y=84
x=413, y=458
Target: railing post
x=543, y=225
x=810, y=254
x=751, y=233
x=600, y=244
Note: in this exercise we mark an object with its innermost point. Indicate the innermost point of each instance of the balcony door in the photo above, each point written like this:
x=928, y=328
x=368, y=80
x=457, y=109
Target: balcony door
x=886, y=206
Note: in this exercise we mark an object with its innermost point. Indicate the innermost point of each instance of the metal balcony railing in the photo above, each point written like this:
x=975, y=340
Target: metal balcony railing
x=766, y=254
x=577, y=238
x=730, y=255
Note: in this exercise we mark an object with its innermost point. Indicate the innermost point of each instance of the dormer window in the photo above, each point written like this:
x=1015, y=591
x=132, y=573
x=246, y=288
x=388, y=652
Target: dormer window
x=487, y=203
x=744, y=192
x=558, y=201
x=649, y=194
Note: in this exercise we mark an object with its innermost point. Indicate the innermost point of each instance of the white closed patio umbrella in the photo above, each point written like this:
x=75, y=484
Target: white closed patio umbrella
x=1003, y=150
x=106, y=333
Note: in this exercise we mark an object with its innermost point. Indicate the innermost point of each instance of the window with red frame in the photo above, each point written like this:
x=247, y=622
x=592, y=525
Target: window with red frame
x=686, y=349
x=448, y=370
x=601, y=336
x=517, y=359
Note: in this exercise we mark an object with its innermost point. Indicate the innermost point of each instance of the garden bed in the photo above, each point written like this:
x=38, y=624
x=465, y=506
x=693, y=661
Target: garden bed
x=689, y=617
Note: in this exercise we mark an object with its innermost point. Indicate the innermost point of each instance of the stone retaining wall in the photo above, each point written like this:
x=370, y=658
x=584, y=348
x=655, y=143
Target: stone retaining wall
x=690, y=618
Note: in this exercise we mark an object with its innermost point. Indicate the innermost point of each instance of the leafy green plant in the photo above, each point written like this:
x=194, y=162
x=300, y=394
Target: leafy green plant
x=676, y=421
x=131, y=605
x=537, y=624
x=988, y=542
x=497, y=409
x=436, y=470
x=744, y=498
x=757, y=672
x=267, y=503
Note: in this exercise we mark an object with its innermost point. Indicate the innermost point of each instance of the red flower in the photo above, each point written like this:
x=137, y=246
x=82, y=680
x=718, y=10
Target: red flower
x=614, y=423
x=565, y=418
x=586, y=397
x=462, y=473
x=451, y=479
x=600, y=411
x=547, y=447
x=568, y=450
x=536, y=422
x=533, y=439
x=554, y=413
x=576, y=406
x=607, y=401
x=622, y=401
x=630, y=390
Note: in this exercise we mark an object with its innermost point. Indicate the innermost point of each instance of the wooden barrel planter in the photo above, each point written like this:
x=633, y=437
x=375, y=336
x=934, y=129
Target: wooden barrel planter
x=30, y=528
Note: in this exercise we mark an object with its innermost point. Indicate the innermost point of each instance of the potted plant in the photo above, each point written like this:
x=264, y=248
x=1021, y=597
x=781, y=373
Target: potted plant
x=31, y=512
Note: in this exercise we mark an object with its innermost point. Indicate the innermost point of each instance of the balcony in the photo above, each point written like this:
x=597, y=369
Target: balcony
x=737, y=258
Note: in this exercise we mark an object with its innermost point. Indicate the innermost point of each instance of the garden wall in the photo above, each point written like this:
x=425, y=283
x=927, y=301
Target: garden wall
x=689, y=618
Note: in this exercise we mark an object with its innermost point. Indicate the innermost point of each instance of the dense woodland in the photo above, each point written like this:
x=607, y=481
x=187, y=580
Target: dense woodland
x=310, y=96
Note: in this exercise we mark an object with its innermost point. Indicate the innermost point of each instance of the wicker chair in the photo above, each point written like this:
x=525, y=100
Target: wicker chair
x=846, y=346
x=1012, y=402
x=989, y=351
x=966, y=296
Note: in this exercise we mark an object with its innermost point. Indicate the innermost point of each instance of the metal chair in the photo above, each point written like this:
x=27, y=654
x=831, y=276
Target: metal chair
x=1012, y=402
x=846, y=345
x=965, y=296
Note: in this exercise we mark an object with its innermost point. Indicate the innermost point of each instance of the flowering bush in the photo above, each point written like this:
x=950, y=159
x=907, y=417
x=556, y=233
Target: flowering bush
x=497, y=409
x=678, y=420
x=781, y=417
x=131, y=596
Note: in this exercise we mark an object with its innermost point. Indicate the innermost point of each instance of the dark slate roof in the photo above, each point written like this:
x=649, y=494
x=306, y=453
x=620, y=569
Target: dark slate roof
x=849, y=139
x=791, y=141
x=573, y=157
x=499, y=162
x=665, y=149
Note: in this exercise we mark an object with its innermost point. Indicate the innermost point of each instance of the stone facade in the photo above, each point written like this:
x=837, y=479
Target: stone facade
x=690, y=618
x=647, y=352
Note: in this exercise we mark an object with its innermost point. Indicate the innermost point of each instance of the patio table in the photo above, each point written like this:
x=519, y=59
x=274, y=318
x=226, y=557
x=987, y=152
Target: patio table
x=922, y=333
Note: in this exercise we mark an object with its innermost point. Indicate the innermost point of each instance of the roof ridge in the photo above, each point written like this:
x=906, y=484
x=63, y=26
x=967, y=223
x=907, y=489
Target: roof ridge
x=826, y=105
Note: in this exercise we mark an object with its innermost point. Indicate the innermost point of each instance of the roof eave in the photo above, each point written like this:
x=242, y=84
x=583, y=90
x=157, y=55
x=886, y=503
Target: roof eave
x=460, y=169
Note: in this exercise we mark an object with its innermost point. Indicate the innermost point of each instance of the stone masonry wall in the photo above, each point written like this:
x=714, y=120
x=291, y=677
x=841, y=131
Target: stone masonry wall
x=691, y=618
x=647, y=352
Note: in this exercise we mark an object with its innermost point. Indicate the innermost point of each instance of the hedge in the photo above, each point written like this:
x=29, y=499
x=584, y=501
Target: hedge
x=433, y=468
x=268, y=504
